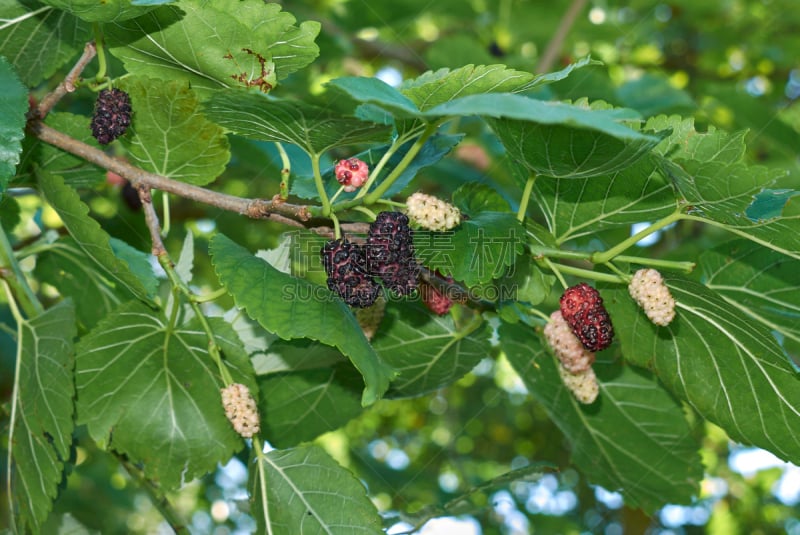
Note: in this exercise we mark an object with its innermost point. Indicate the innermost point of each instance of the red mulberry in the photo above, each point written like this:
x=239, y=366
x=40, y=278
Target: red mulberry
x=112, y=115
x=436, y=301
x=344, y=263
x=390, y=252
x=351, y=173
x=582, y=308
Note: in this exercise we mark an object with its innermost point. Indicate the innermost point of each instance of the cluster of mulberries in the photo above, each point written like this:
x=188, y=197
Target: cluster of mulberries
x=431, y=213
x=649, y=291
x=345, y=265
x=351, y=173
x=583, y=385
x=369, y=318
x=570, y=352
x=112, y=115
x=240, y=409
x=582, y=308
x=390, y=252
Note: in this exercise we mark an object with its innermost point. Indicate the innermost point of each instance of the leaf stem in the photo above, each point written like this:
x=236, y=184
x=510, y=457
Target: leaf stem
x=603, y=257
x=216, y=294
x=365, y=210
x=373, y=175
x=526, y=197
x=323, y=196
x=101, y=52
x=258, y=448
x=286, y=171
x=384, y=186
x=586, y=274
x=165, y=206
x=156, y=495
x=677, y=265
x=12, y=275
x=13, y=416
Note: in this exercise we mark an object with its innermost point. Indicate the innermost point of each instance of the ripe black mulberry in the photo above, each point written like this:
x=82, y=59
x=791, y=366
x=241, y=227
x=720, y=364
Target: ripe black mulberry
x=112, y=115
x=344, y=263
x=390, y=252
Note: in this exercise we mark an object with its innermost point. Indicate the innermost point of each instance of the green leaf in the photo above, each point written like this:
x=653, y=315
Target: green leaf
x=9, y=212
x=429, y=351
x=295, y=355
x=65, y=266
x=40, y=428
x=13, y=105
x=634, y=438
x=299, y=406
x=87, y=232
x=377, y=93
x=212, y=46
x=308, y=493
x=311, y=128
x=169, y=136
x=151, y=392
x=282, y=304
x=581, y=207
x=433, y=88
x=94, y=11
x=472, y=198
x=41, y=39
x=761, y=283
x=76, y=171
x=557, y=139
x=478, y=250
x=729, y=368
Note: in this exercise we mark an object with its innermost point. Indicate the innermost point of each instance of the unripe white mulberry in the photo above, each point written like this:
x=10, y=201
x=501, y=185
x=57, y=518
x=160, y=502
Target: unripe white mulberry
x=583, y=385
x=649, y=291
x=431, y=213
x=240, y=409
x=370, y=318
x=566, y=346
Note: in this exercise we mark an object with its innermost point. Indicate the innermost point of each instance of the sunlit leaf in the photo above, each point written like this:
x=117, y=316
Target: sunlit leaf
x=105, y=11
x=41, y=414
x=428, y=351
x=88, y=234
x=282, y=304
x=728, y=367
x=303, y=491
x=151, y=392
x=634, y=438
x=169, y=136
x=39, y=39
x=13, y=104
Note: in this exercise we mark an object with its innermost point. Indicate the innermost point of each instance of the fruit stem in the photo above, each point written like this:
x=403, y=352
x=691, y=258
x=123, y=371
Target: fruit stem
x=100, y=44
x=602, y=258
x=526, y=196
x=588, y=274
x=539, y=313
x=337, y=229
x=165, y=206
x=286, y=171
x=323, y=196
x=338, y=192
x=398, y=170
x=555, y=271
x=615, y=269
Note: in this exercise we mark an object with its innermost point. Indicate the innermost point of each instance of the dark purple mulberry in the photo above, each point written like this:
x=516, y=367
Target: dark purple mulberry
x=582, y=308
x=344, y=263
x=390, y=252
x=112, y=115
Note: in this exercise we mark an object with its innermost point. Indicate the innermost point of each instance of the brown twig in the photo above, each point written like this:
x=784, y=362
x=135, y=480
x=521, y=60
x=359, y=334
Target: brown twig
x=67, y=85
x=151, y=220
x=550, y=54
x=253, y=208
